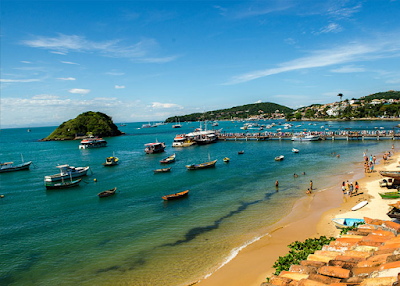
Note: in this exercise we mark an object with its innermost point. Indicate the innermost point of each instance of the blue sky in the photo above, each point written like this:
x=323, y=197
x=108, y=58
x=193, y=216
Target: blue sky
x=148, y=60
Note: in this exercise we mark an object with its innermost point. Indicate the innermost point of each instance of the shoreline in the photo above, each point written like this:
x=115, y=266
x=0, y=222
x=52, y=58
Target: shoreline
x=310, y=217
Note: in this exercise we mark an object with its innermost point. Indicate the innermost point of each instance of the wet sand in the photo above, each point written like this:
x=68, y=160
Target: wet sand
x=310, y=217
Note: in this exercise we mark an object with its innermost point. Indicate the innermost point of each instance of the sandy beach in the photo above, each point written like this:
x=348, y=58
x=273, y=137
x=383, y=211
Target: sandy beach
x=310, y=217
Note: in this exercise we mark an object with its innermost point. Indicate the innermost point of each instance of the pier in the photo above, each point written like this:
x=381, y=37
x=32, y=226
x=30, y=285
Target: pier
x=324, y=135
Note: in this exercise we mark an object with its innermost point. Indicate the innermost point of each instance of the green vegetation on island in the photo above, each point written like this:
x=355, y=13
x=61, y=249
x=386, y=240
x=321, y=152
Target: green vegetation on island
x=265, y=109
x=88, y=123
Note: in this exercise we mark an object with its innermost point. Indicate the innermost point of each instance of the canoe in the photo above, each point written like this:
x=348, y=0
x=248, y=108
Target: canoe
x=176, y=196
x=359, y=206
x=168, y=160
x=346, y=222
x=226, y=160
x=390, y=195
x=163, y=170
x=202, y=165
x=107, y=193
x=279, y=158
x=62, y=185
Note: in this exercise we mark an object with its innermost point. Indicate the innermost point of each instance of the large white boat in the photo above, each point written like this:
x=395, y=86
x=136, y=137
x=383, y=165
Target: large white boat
x=92, y=142
x=67, y=172
x=308, y=137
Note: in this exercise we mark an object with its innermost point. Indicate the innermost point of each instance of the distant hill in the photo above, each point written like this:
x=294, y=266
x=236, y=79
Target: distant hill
x=391, y=94
x=95, y=123
x=243, y=111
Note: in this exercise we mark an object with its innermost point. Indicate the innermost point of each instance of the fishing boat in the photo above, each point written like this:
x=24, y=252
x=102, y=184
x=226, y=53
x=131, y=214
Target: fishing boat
x=162, y=170
x=176, y=196
x=156, y=147
x=67, y=172
x=391, y=174
x=240, y=152
x=294, y=150
x=390, y=195
x=111, y=161
x=279, y=158
x=346, y=222
x=226, y=160
x=168, y=160
x=107, y=193
x=146, y=125
x=202, y=165
x=92, y=142
x=10, y=167
x=62, y=185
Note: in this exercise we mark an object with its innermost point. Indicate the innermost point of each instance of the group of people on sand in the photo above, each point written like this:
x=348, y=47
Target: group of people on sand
x=369, y=163
x=349, y=189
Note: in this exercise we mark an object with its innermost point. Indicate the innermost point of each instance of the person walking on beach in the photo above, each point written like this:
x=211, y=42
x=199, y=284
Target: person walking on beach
x=356, y=187
x=311, y=185
x=343, y=187
x=374, y=158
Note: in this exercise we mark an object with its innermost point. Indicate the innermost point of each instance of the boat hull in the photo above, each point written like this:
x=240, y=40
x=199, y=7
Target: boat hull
x=390, y=195
x=164, y=170
x=62, y=185
x=202, y=165
x=107, y=193
x=391, y=174
x=176, y=196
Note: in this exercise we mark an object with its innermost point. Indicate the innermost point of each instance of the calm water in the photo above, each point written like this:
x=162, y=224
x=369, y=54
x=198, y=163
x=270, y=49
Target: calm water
x=71, y=237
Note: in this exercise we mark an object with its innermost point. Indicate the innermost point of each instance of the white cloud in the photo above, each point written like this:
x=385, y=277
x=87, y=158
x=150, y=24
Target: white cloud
x=322, y=58
x=25, y=62
x=343, y=12
x=45, y=97
x=115, y=73
x=66, y=78
x=331, y=28
x=142, y=51
x=119, y=86
x=79, y=91
x=69, y=63
x=58, y=53
x=165, y=105
x=19, y=80
x=348, y=69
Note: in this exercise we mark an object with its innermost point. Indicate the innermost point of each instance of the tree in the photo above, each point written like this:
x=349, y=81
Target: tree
x=298, y=116
x=340, y=95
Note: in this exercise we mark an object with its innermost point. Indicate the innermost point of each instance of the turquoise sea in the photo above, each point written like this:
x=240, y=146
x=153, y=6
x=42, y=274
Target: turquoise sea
x=71, y=237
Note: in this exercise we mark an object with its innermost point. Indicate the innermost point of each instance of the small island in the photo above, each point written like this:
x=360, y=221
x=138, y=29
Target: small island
x=88, y=123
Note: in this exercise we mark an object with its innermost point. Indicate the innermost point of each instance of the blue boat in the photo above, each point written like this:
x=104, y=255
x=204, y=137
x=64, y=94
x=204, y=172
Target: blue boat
x=346, y=222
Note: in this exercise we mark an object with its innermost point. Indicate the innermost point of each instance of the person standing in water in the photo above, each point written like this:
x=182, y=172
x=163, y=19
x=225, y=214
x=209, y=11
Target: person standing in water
x=311, y=185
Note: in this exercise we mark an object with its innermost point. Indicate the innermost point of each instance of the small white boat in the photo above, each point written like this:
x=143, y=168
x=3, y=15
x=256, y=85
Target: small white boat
x=279, y=158
x=294, y=150
x=67, y=172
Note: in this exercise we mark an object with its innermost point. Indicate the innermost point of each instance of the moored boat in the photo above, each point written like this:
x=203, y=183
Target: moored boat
x=240, y=152
x=390, y=195
x=182, y=140
x=294, y=150
x=10, y=167
x=202, y=165
x=279, y=158
x=226, y=160
x=111, y=161
x=346, y=222
x=391, y=174
x=308, y=137
x=162, y=170
x=107, y=193
x=67, y=172
x=175, y=196
x=168, y=160
x=156, y=147
x=62, y=185
x=92, y=142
